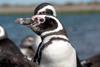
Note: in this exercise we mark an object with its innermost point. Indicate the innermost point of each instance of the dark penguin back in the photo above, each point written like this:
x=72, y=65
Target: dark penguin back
x=6, y=45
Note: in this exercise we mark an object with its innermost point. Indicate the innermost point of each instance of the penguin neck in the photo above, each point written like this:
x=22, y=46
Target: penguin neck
x=59, y=33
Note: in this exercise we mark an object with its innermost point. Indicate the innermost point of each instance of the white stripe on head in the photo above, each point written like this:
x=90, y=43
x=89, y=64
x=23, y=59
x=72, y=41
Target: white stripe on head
x=2, y=32
x=49, y=7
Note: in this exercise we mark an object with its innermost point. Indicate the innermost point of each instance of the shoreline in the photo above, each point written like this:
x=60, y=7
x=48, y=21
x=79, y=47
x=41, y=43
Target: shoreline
x=58, y=12
x=61, y=9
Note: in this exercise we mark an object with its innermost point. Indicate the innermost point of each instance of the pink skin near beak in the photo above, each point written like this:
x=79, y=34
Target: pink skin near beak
x=39, y=19
x=42, y=12
x=33, y=17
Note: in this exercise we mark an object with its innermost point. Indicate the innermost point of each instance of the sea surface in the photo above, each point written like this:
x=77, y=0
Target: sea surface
x=83, y=31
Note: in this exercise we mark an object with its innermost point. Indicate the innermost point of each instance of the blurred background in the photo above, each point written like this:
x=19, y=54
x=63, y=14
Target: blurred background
x=81, y=19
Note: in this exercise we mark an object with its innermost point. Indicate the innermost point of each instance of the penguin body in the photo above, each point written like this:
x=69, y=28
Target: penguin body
x=6, y=45
x=57, y=49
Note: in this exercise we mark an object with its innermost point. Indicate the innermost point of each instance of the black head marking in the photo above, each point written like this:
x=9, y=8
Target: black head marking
x=49, y=12
x=49, y=24
x=40, y=6
x=46, y=9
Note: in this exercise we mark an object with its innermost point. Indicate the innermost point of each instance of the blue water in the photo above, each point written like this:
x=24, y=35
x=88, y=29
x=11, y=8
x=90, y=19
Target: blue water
x=83, y=31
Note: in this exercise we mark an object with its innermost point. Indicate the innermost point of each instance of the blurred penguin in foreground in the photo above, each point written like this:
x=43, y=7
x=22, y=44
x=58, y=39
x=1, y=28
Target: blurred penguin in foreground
x=6, y=45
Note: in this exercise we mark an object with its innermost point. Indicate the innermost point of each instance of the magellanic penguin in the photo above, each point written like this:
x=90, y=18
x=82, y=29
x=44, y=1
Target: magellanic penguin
x=26, y=47
x=55, y=49
x=44, y=8
x=6, y=45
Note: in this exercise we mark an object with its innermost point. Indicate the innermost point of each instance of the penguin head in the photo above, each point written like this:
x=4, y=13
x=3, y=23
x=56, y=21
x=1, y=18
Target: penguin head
x=86, y=63
x=3, y=33
x=28, y=41
x=45, y=24
x=45, y=8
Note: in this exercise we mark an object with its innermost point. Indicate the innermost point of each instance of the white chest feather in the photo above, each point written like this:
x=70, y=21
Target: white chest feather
x=58, y=54
x=37, y=42
x=50, y=7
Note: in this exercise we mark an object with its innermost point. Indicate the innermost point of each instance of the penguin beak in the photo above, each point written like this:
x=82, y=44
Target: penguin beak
x=24, y=21
x=34, y=21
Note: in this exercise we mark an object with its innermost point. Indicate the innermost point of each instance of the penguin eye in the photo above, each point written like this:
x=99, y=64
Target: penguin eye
x=40, y=13
x=43, y=12
x=41, y=20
